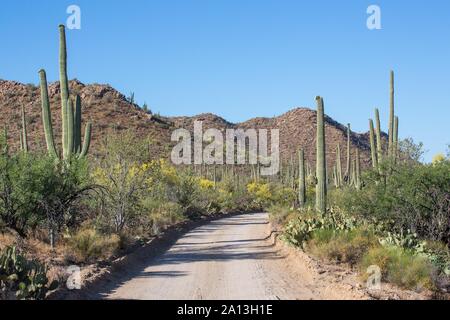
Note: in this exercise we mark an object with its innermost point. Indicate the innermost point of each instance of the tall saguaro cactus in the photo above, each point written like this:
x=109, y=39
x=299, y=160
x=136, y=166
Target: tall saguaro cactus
x=373, y=150
x=357, y=171
x=321, y=187
x=338, y=166
x=391, y=117
x=395, y=142
x=70, y=115
x=347, y=170
x=24, y=133
x=64, y=89
x=378, y=136
x=301, y=178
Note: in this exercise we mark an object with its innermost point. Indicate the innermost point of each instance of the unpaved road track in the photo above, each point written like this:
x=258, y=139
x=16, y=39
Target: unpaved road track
x=226, y=259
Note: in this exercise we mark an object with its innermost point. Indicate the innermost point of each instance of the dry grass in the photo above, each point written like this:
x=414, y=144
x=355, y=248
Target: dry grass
x=88, y=246
x=7, y=240
x=400, y=267
x=341, y=246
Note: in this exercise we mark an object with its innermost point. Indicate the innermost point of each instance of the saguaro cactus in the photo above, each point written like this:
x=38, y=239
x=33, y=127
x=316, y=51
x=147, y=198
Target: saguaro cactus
x=338, y=166
x=77, y=126
x=64, y=89
x=352, y=173
x=335, y=178
x=391, y=117
x=24, y=134
x=301, y=178
x=373, y=150
x=347, y=170
x=321, y=187
x=395, y=143
x=71, y=116
x=357, y=171
x=378, y=136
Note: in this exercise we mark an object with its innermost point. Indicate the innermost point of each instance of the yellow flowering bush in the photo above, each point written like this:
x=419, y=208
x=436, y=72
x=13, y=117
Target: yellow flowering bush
x=206, y=184
x=261, y=193
x=438, y=158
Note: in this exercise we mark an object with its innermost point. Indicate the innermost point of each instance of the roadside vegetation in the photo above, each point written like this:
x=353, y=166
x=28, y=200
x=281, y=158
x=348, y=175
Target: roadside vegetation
x=394, y=216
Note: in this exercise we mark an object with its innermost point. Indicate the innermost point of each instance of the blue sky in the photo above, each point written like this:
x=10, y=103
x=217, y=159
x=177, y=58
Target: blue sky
x=246, y=58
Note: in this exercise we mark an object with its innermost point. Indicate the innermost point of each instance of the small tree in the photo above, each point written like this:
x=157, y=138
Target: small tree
x=122, y=174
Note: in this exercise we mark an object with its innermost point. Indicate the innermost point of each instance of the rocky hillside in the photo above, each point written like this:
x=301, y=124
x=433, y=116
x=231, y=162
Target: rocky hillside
x=110, y=112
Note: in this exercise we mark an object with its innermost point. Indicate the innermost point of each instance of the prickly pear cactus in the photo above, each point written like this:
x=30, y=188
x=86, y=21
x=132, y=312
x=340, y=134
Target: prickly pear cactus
x=21, y=278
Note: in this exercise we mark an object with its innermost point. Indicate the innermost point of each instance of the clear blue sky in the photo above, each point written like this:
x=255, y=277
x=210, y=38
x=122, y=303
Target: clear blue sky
x=247, y=58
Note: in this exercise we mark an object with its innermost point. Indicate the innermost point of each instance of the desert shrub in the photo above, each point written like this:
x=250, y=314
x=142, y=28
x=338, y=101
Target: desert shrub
x=282, y=195
x=342, y=246
x=264, y=195
x=261, y=193
x=34, y=191
x=414, y=199
x=208, y=202
x=232, y=197
x=21, y=278
x=185, y=191
x=157, y=216
x=399, y=266
x=89, y=245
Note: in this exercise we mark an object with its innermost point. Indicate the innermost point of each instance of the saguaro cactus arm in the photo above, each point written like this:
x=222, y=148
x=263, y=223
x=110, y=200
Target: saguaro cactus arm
x=24, y=136
x=302, y=179
x=46, y=115
x=70, y=130
x=373, y=150
x=77, y=125
x=378, y=136
x=395, y=143
x=338, y=166
x=357, y=171
x=87, y=140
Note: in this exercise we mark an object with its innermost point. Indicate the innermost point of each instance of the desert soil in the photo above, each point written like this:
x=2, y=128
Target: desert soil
x=230, y=258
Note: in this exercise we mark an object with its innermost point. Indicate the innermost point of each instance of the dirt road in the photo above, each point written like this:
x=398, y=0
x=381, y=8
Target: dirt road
x=229, y=258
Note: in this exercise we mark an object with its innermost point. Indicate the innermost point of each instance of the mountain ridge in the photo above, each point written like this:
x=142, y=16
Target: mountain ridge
x=110, y=111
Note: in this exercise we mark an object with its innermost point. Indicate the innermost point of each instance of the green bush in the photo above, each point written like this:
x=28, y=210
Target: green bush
x=399, y=266
x=157, y=216
x=415, y=199
x=234, y=198
x=89, y=245
x=36, y=192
